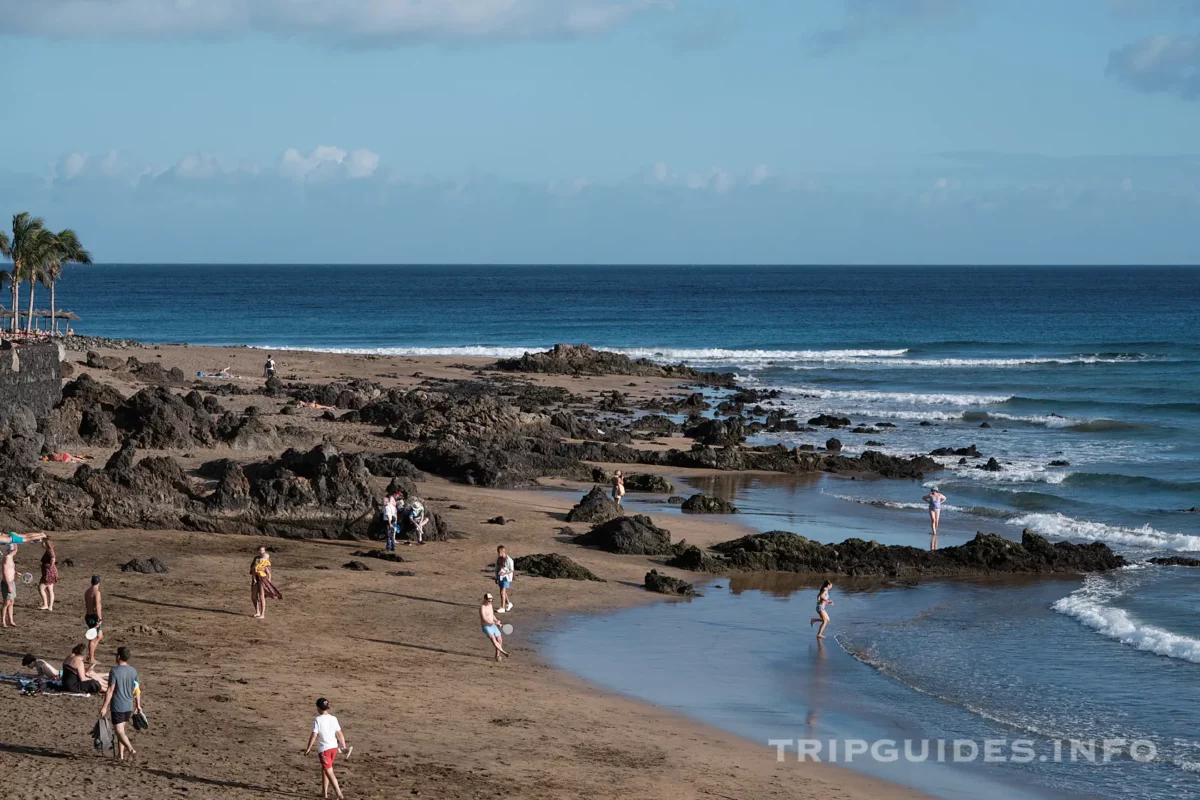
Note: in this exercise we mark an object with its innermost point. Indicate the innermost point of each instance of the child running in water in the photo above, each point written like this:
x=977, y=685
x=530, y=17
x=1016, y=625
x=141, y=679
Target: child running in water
x=822, y=615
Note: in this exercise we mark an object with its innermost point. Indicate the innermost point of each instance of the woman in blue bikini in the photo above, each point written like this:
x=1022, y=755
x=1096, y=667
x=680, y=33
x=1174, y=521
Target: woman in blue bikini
x=822, y=615
x=935, y=499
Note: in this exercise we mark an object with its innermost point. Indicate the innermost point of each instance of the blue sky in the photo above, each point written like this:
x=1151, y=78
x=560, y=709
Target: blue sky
x=781, y=131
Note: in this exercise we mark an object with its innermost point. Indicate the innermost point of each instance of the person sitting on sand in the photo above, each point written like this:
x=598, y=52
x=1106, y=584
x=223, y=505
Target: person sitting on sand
x=415, y=514
x=328, y=737
x=93, y=617
x=76, y=677
x=491, y=628
x=618, y=490
x=504, y=578
x=41, y=666
x=8, y=587
x=935, y=499
x=49, y=575
x=260, y=583
x=822, y=615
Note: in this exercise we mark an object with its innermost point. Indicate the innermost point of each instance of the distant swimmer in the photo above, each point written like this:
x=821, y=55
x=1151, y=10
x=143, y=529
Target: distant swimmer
x=935, y=499
x=822, y=615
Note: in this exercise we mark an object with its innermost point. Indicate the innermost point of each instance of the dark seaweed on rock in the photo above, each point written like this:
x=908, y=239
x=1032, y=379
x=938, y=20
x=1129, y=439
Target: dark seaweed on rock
x=552, y=565
x=781, y=551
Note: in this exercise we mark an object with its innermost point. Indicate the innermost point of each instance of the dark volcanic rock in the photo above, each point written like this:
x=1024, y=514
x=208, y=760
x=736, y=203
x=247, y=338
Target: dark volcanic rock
x=708, y=504
x=636, y=535
x=718, y=433
x=552, y=565
x=595, y=507
x=499, y=520
x=697, y=560
x=656, y=423
x=833, y=445
x=883, y=465
x=992, y=465
x=971, y=451
x=146, y=566
x=780, y=551
x=1175, y=561
x=829, y=421
x=566, y=359
x=573, y=426
x=357, y=566
x=648, y=482
x=382, y=555
x=665, y=584
x=1060, y=463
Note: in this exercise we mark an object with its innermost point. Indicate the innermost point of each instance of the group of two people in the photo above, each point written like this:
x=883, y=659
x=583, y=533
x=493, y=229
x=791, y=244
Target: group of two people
x=505, y=570
x=395, y=507
x=8, y=587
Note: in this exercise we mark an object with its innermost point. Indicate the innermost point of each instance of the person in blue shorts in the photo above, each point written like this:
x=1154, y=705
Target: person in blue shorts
x=504, y=578
x=491, y=628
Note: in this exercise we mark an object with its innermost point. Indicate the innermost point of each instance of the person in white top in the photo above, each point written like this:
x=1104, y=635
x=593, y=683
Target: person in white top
x=504, y=578
x=391, y=517
x=327, y=736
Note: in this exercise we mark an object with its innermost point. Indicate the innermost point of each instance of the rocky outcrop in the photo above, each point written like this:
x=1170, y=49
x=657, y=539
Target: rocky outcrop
x=694, y=559
x=552, y=565
x=595, y=507
x=648, y=482
x=573, y=426
x=567, y=359
x=352, y=394
x=708, y=504
x=718, y=433
x=656, y=423
x=992, y=465
x=970, y=452
x=883, y=465
x=1175, y=561
x=665, y=584
x=636, y=535
x=829, y=421
x=146, y=566
x=781, y=551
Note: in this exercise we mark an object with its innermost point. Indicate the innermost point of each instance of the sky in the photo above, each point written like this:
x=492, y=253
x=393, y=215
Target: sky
x=607, y=131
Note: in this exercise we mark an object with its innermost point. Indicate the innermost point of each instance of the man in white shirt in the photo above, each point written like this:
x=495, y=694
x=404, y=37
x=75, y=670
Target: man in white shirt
x=327, y=736
x=504, y=578
x=390, y=521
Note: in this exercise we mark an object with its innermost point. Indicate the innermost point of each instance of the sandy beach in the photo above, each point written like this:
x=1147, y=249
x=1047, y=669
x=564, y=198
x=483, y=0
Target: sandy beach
x=400, y=657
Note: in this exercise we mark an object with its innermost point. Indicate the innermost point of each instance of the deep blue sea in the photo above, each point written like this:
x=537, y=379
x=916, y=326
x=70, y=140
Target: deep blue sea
x=1098, y=368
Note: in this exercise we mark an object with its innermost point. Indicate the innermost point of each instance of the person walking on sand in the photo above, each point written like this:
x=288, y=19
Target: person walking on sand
x=618, y=490
x=505, y=569
x=491, y=628
x=124, y=697
x=822, y=615
x=269, y=368
x=935, y=499
x=260, y=583
x=327, y=736
x=49, y=575
x=8, y=588
x=93, y=617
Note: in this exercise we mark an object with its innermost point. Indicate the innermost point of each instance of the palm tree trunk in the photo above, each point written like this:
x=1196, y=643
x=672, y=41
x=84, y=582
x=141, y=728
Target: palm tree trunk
x=53, y=316
x=16, y=306
x=29, y=319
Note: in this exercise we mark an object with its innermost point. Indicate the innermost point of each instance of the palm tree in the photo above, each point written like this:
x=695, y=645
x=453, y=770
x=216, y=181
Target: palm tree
x=67, y=250
x=22, y=249
x=42, y=253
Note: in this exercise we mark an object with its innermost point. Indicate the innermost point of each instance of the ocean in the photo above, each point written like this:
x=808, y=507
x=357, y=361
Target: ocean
x=1096, y=370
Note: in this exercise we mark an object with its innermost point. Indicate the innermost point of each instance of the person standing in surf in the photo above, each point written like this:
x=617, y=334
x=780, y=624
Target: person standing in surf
x=935, y=499
x=822, y=615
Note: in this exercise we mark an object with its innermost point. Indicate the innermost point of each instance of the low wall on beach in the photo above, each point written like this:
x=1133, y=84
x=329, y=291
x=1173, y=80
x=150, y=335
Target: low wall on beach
x=30, y=378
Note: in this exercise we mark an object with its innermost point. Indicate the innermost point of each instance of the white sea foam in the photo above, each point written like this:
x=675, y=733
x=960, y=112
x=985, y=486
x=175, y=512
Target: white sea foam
x=913, y=398
x=1061, y=526
x=896, y=504
x=995, y=362
x=1017, y=473
x=712, y=354
x=1093, y=606
x=467, y=351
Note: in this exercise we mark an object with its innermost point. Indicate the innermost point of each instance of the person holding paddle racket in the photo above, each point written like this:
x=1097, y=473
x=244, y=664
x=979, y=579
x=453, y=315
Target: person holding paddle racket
x=490, y=626
x=8, y=588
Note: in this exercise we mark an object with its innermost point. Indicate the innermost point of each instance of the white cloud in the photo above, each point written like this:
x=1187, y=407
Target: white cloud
x=328, y=163
x=360, y=22
x=868, y=18
x=1160, y=64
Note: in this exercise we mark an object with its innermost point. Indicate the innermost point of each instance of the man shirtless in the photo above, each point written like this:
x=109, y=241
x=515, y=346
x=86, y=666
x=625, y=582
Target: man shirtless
x=16, y=538
x=94, y=617
x=8, y=589
x=490, y=626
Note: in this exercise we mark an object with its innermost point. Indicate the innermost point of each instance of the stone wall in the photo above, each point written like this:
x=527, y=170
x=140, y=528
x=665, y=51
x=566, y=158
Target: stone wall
x=30, y=380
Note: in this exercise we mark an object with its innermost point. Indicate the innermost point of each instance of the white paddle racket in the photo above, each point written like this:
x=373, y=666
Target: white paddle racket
x=91, y=634
x=506, y=628
x=27, y=577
